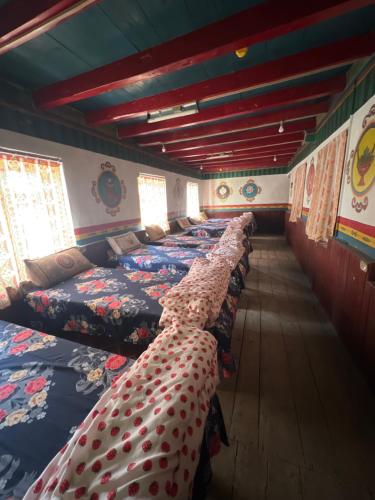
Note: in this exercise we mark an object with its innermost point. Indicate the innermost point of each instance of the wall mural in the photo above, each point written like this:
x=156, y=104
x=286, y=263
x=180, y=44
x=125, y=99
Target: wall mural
x=109, y=189
x=361, y=163
x=250, y=190
x=223, y=191
x=310, y=180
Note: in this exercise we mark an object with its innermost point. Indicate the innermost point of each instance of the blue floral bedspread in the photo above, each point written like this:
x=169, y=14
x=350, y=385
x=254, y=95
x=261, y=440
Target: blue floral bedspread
x=47, y=387
x=182, y=240
x=206, y=230
x=122, y=306
x=154, y=258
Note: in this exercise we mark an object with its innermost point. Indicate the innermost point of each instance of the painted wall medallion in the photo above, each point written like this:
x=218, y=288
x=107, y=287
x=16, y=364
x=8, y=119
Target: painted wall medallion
x=250, y=190
x=310, y=180
x=109, y=189
x=223, y=191
x=361, y=163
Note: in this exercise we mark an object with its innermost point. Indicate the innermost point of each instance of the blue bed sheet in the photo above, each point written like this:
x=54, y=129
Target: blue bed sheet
x=122, y=306
x=182, y=240
x=154, y=258
x=47, y=387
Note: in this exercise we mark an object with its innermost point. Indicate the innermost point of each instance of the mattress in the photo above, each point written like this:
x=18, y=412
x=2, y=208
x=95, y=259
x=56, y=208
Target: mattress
x=47, y=387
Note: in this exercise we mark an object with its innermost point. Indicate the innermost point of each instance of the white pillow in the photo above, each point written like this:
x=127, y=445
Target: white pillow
x=124, y=243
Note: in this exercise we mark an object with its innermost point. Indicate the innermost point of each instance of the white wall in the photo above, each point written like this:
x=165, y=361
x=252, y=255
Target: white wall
x=81, y=167
x=274, y=190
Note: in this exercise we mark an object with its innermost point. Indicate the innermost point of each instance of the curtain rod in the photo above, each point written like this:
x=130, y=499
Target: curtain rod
x=26, y=153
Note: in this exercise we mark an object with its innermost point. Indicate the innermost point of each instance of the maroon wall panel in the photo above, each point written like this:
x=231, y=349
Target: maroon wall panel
x=268, y=221
x=345, y=291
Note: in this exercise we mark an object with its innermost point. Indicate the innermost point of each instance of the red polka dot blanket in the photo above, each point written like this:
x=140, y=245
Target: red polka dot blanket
x=142, y=438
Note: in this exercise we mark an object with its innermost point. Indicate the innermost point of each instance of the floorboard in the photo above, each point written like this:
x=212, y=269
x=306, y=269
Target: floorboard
x=299, y=414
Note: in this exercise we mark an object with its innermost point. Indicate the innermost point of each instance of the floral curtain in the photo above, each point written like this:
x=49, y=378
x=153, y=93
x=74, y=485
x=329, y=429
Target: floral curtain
x=326, y=189
x=153, y=200
x=35, y=217
x=298, y=182
x=192, y=199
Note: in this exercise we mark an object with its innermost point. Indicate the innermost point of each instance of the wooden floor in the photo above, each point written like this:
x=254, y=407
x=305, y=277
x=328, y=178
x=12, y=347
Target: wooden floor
x=300, y=417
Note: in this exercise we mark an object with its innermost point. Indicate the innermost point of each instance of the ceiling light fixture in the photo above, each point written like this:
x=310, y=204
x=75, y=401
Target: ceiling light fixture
x=201, y=167
x=281, y=128
x=163, y=149
x=275, y=158
x=190, y=108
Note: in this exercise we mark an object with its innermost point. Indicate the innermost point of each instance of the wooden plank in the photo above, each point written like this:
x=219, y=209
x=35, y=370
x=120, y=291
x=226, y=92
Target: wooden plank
x=287, y=68
x=279, y=431
x=250, y=105
x=245, y=421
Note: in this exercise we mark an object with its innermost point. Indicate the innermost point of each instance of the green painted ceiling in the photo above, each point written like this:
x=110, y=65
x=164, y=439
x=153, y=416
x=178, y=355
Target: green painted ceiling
x=117, y=28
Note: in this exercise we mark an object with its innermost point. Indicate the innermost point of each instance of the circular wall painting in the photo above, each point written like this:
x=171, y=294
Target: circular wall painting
x=223, y=191
x=250, y=190
x=108, y=189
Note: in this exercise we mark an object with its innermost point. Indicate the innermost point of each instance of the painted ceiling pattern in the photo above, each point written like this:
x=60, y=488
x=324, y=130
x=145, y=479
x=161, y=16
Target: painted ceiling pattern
x=165, y=73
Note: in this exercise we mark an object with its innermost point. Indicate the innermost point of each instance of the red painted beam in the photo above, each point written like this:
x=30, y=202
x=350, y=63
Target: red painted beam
x=22, y=20
x=247, y=164
x=256, y=104
x=279, y=140
x=245, y=152
x=236, y=137
x=256, y=24
x=301, y=111
x=244, y=155
x=312, y=61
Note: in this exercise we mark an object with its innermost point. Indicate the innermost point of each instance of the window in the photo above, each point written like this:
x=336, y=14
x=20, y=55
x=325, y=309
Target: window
x=35, y=217
x=192, y=199
x=153, y=200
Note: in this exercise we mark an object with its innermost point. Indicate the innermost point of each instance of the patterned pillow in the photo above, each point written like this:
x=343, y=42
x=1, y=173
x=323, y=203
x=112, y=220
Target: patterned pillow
x=203, y=216
x=183, y=222
x=52, y=269
x=155, y=232
x=123, y=243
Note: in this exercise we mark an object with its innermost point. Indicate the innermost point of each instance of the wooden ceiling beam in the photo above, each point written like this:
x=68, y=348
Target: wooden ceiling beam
x=244, y=154
x=256, y=24
x=277, y=141
x=23, y=20
x=251, y=105
x=286, y=115
x=287, y=68
x=236, y=137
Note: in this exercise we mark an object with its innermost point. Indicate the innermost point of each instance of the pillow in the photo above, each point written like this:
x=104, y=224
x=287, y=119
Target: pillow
x=183, y=222
x=203, y=216
x=123, y=243
x=155, y=232
x=195, y=221
x=52, y=269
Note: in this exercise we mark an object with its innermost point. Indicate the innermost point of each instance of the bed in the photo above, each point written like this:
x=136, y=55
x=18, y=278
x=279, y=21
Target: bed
x=182, y=240
x=47, y=387
x=105, y=307
x=206, y=230
x=154, y=258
